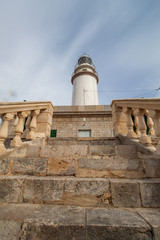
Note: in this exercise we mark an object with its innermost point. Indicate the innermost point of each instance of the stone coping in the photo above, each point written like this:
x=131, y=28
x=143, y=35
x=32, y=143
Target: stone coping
x=144, y=103
x=6, y=107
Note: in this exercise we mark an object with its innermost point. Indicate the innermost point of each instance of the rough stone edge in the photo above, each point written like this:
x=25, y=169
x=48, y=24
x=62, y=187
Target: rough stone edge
x=140, y=148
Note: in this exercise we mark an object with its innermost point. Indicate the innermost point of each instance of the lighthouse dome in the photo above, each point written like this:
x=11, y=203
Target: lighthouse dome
x=84, y=59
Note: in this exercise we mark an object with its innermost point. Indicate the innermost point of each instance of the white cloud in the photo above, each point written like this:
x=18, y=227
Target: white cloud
x=40, y=42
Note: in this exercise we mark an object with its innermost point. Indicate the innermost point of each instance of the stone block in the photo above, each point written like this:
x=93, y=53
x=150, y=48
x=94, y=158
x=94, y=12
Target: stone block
x=64, y=152
x=16, y=212
x=152, y=216
x=116, y=224
x=95, y=187
x=110, y=167
x=10, y=189
x=43, y=189
x=44, y=118
x=9, y=230
x=86, y=192
x=102, y=149
x=152, y=168
x=33, y=151
x=109, y=163
x=126, y=151
x=60, y=167
x=55, y=222
x=125, y=193
x=43, y=128
x=150, y=192
x=11, y=219
x=19, y=152
x=29, y=166
x=4, y=165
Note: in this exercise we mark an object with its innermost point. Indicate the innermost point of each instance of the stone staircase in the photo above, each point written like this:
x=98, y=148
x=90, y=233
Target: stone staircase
x=78, y=189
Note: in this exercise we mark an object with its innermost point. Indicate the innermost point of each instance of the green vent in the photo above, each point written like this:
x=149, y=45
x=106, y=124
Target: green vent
x=53, y=133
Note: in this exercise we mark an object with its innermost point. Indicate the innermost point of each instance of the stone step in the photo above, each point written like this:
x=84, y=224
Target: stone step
x=80, y=191
x=116, y=167
x=122, y=165
x=52, y=222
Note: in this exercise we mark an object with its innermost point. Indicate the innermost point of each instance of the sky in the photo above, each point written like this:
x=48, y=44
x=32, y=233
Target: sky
x=41, y=41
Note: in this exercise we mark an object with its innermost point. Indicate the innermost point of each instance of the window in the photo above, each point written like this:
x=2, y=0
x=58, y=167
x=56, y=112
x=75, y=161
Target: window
x=53, y=133
x=84, y=133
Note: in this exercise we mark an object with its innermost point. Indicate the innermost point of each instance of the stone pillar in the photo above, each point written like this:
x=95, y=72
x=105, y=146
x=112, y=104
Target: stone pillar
x=19, y=129
x=6, y=118
x=33, y=125
x=44, y=122
x=119, y=120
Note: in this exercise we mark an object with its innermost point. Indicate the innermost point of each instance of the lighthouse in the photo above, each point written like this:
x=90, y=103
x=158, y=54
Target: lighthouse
x=85, y=80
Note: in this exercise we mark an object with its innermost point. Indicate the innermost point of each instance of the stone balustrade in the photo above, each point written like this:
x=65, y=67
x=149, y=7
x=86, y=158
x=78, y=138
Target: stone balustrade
x=138, y=119
x=27, y=120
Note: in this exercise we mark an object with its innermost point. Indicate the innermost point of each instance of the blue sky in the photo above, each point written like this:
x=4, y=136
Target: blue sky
x=41, y=40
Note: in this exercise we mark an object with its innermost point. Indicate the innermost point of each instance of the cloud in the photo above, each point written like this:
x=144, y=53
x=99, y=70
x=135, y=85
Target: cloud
x=40, y=42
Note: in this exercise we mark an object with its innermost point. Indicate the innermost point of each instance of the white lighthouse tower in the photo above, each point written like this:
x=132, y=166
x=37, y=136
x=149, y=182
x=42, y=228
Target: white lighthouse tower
x=85, y=80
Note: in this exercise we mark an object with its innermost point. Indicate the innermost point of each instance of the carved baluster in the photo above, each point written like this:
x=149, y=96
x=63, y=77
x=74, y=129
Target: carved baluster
x=144, y=138
x=19, y=129
x=6, y=118
x=156, y=118
x=16, y=121
x=136, y=125
x=129, y=123
x=33, y=125
x=150, y=123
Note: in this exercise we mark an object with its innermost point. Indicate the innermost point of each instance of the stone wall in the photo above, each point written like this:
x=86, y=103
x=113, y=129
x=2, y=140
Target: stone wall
x=68, y=120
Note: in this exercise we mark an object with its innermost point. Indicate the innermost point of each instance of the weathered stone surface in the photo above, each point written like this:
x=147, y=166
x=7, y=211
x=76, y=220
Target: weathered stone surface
x=55, y=222
x=10, y=189
x=29, y=166
x=116, y=224
x=51, y=222
x=60, y=167
x=109, y=164
x=87, y=186
x=152, y=167
x=11, y=219
x=150, y=192
x=110, y=167
x=33, y=151
x=125, y=193
x=45, y=231
x=4, y=165
x=152, y=216
x=19, y=152
x=9, y=230
x=43, y=189
x=126, y=151
x=16, y=212
x=64, y=152
x=86, y=192
x=102, y=149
